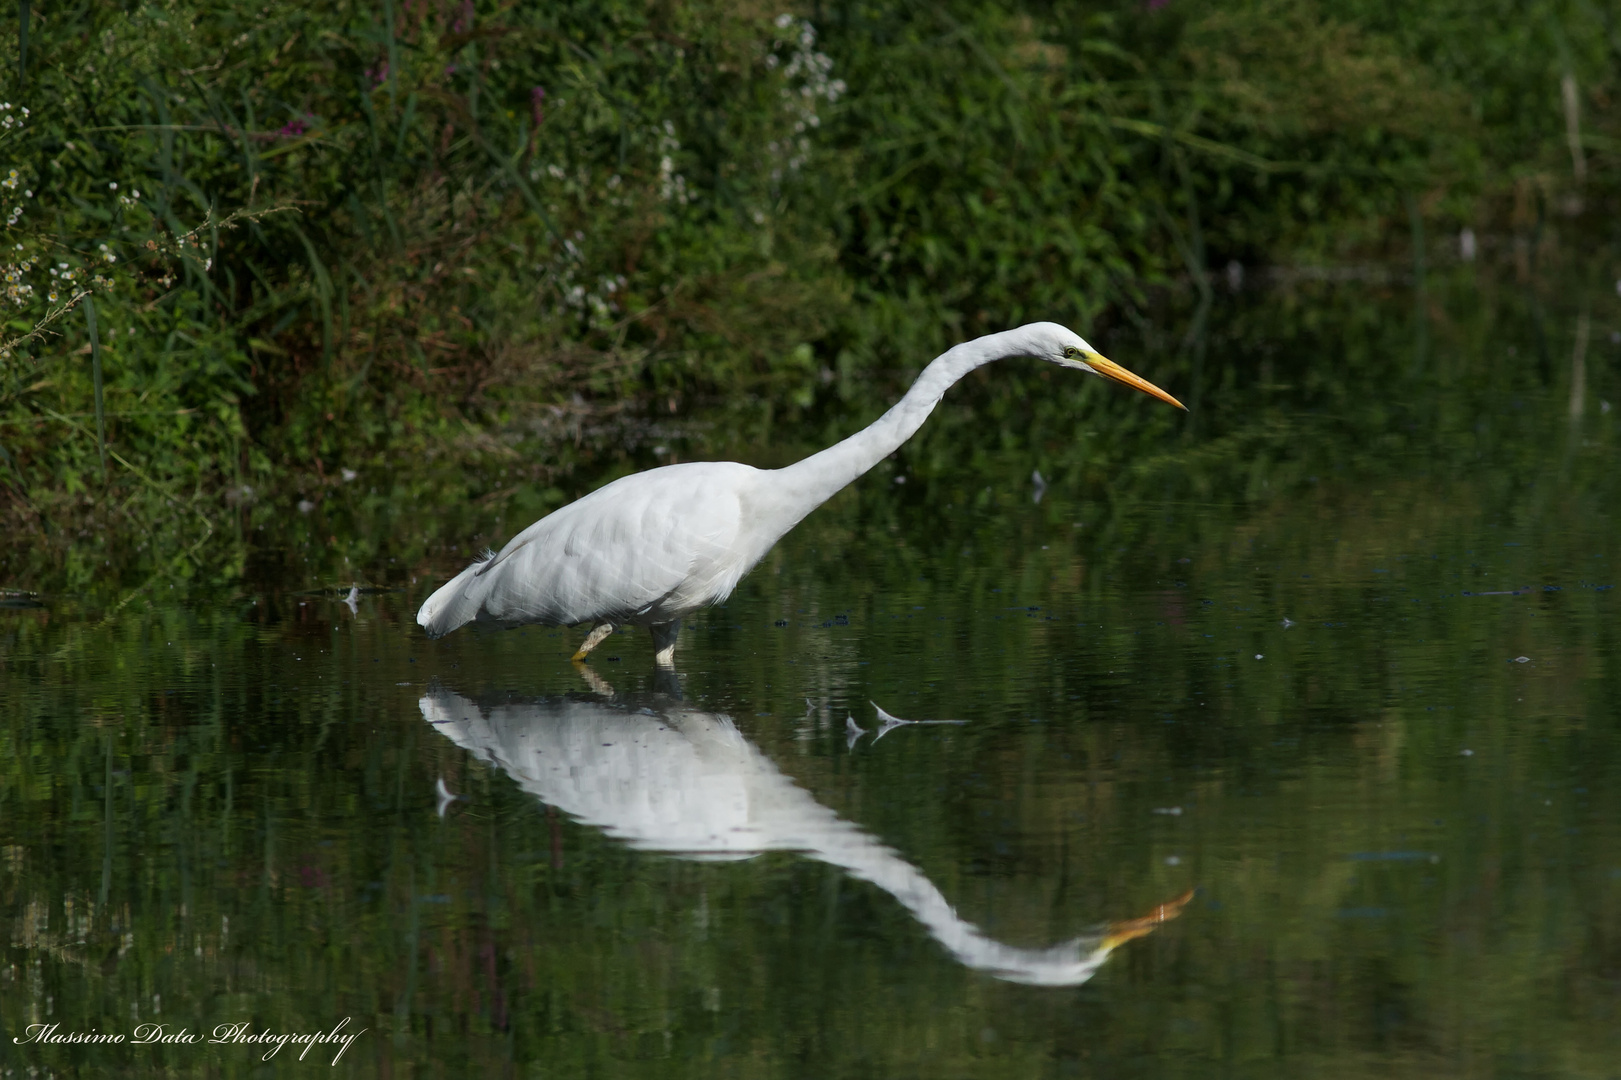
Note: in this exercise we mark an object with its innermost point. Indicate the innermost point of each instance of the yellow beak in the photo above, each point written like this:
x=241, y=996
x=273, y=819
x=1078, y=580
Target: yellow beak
x=1132, y=929
x=1120, y=374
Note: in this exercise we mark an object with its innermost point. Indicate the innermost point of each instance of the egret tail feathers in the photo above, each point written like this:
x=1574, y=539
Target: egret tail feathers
x=455, y=603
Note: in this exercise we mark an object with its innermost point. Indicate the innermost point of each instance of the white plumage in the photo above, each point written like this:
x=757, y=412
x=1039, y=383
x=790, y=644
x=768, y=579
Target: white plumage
x=645, y=549
x=650, y=548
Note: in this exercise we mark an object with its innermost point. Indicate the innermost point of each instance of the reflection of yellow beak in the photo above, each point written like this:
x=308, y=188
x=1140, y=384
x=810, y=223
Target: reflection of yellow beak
x=1122, y=932
x=1120, y=374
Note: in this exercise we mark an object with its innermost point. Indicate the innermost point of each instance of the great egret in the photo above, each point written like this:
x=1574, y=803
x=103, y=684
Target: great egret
x=655, y=546
x=662, y=776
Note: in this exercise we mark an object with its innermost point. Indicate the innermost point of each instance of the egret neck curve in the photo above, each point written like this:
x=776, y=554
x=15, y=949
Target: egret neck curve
x=816, y=479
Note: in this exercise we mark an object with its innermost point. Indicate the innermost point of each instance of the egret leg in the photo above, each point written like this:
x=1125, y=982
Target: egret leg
x=664, y=636
x=594, y=638
x=597, y=683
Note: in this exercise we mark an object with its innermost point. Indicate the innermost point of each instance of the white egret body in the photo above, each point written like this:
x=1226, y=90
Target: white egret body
x=655, y=546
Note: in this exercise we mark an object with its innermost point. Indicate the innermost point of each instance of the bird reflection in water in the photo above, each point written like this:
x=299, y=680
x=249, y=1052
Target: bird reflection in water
x=663, y=776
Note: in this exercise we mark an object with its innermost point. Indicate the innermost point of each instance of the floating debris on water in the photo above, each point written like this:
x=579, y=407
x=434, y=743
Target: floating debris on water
x=852, y=730
x=444, y=795
x=888, y=723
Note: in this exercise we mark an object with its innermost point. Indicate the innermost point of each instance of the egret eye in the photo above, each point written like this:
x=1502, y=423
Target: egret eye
x=1071, y=352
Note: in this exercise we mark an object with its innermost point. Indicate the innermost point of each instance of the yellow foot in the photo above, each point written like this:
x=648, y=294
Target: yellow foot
x=593, y=639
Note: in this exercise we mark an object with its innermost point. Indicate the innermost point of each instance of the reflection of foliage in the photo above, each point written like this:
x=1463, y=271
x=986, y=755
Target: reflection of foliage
x=229, y=806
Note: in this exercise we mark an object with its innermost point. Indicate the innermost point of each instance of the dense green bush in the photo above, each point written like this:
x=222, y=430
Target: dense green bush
x=318, y=235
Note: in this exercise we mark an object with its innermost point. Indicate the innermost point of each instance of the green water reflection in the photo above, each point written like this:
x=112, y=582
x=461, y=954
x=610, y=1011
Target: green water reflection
x=1343, y=659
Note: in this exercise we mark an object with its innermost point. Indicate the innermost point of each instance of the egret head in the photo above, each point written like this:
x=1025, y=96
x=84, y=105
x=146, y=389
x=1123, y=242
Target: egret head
x=1064, y=347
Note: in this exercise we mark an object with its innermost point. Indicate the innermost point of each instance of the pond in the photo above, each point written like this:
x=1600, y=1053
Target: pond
x=1284, y=739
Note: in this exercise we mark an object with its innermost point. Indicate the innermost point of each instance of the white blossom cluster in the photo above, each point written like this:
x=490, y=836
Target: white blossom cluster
x=10, y=183
x=580, y=185
x=12, y=120
x=18, y=292
x=598, y=304
x=64, y=275
x=807, y=82
x=672, y=185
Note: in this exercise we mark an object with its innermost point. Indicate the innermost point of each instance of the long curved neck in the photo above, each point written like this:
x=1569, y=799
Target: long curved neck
x=846, y=846
x=811, y=482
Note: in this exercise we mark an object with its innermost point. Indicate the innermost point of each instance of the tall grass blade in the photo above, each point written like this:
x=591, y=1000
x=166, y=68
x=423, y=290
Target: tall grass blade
x=323, y=295
x=95, y=372
x=22, y=40
x=507, y=166
x=393, y=56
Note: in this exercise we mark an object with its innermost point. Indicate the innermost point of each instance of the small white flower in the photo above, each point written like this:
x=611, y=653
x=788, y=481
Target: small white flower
x=113, y=184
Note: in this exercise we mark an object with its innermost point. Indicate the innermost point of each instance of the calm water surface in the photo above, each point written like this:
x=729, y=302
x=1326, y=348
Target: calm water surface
x=1289, y=744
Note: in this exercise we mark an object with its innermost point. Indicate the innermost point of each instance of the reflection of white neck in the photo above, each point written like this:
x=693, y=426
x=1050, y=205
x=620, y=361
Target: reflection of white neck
x=686, y=782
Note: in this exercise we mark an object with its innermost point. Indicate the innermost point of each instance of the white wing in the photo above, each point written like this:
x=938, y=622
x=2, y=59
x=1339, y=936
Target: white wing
x=647, y=549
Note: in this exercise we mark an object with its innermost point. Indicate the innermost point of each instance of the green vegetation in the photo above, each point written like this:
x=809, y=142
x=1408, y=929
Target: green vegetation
x=335, y=236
